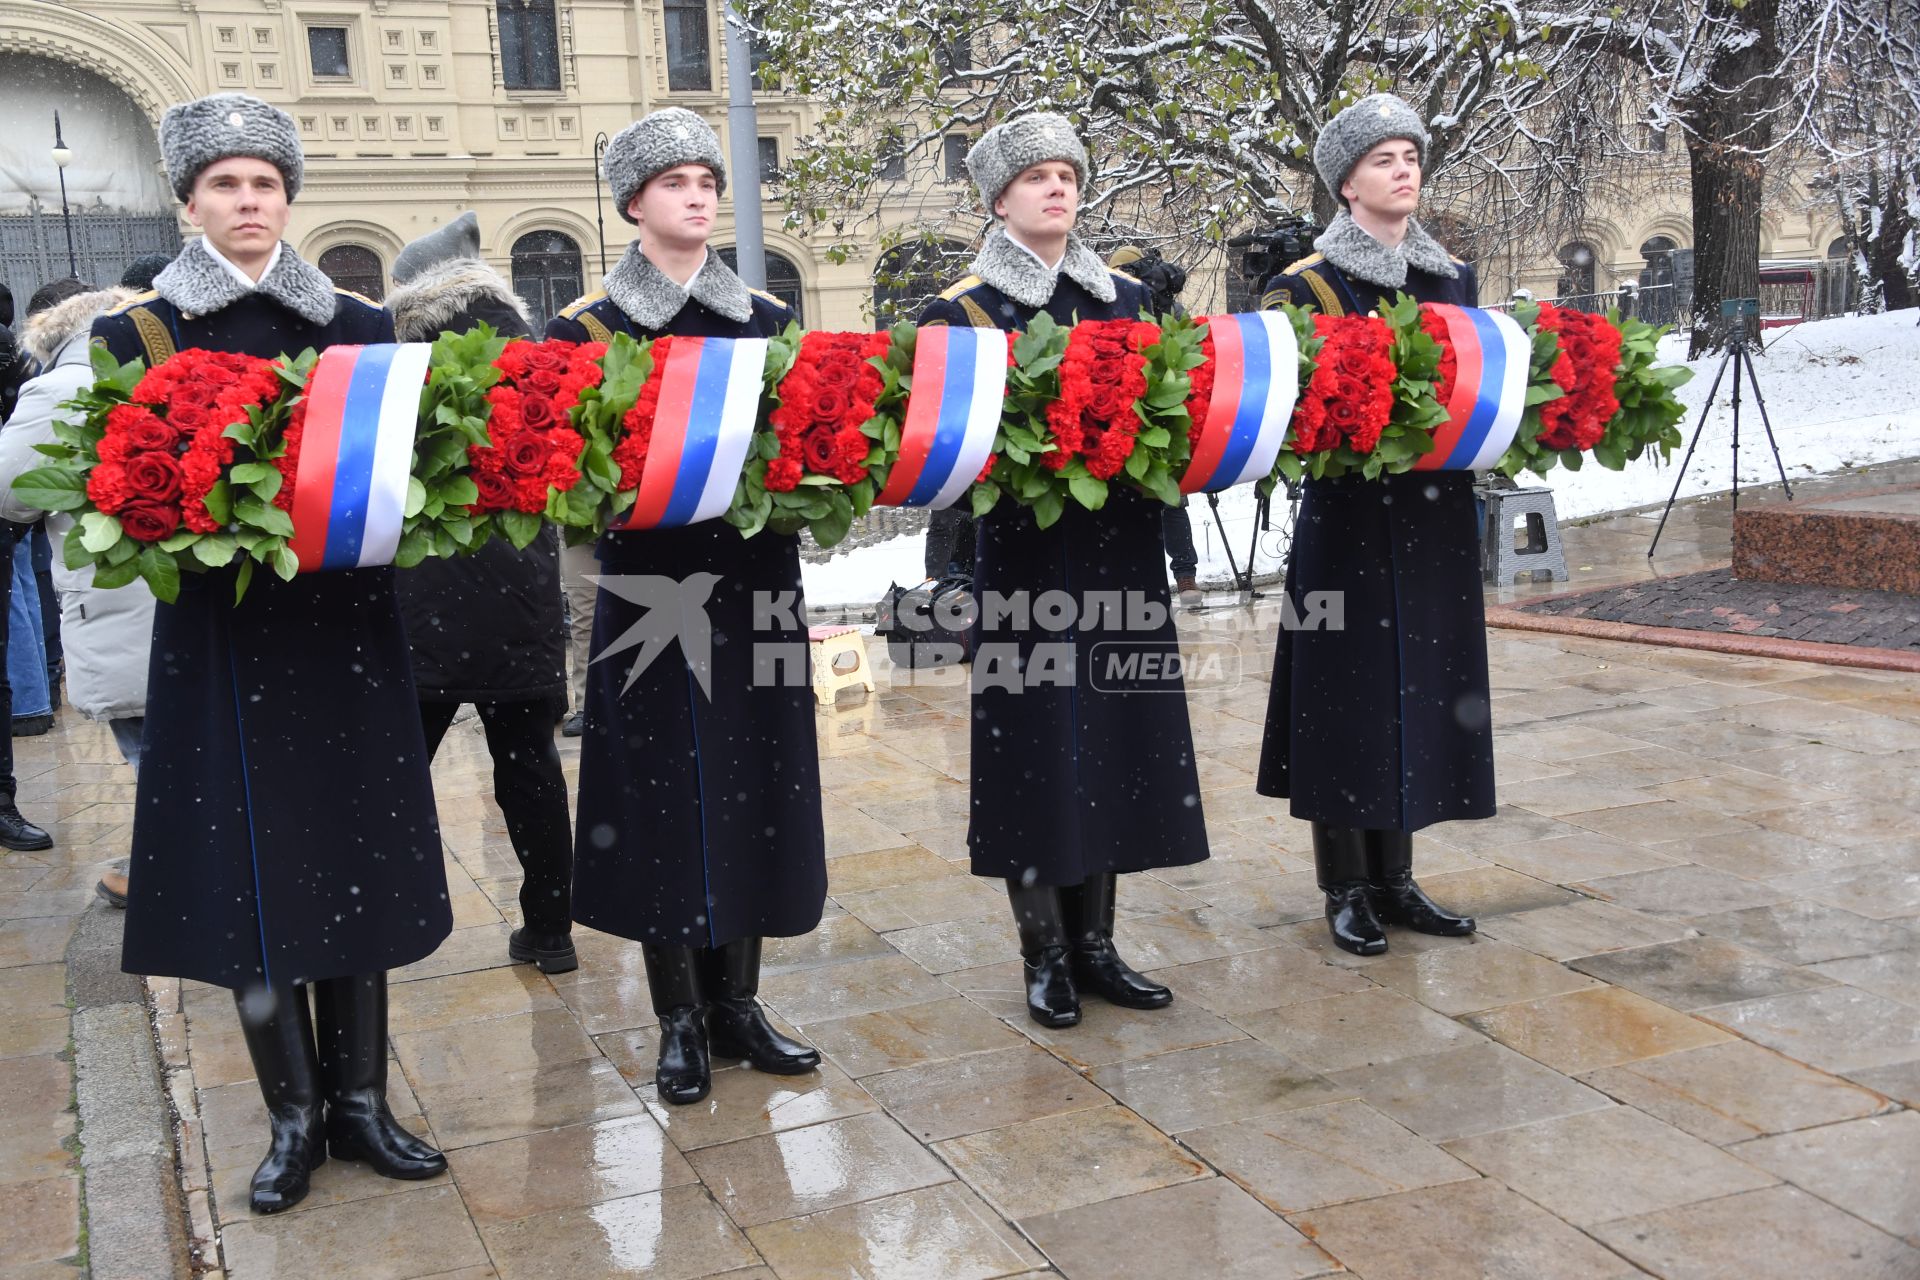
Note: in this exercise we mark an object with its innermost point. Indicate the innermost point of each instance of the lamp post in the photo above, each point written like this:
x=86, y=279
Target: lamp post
x=62, y=156
x=599, y=222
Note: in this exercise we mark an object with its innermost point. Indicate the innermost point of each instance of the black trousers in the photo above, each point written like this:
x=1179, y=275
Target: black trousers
x=9, y=535
x=532, y=793
x=1177, y=529
x=950, y=536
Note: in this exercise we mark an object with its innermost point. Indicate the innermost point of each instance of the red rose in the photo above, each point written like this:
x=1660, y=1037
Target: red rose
x=190, y=418
x=546, y=357
x=496, y=491
x=830, y=405
x=536, y=413
x=526, y=454
x=215, y=375
x=842, y=374
x=153, y=477
x=545, y=381
x=154, y=435
x=149, y=521
x=817, y=449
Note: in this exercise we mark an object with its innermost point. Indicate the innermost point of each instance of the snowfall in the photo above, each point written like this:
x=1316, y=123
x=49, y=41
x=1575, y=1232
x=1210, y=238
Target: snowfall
x=1840, y=394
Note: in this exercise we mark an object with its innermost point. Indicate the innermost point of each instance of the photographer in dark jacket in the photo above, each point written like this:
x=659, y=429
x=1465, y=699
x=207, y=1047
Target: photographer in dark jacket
x=16, y=366
x=486, y=628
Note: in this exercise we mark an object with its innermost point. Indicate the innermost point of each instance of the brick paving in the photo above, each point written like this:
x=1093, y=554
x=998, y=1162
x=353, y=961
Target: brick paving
x=1686, y=1041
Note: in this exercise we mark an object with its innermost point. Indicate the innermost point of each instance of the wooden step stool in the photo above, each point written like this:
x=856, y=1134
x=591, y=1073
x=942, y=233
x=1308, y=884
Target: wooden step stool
x=829, y=645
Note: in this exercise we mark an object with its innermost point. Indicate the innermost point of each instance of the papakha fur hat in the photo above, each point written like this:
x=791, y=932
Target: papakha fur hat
x=207, y=130
x=1007, y=150
x=663, y=140
x=1347, y=138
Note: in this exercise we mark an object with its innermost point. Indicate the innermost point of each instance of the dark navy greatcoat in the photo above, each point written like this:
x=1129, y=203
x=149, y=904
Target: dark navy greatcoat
x=1383, y=725
x=1076, y=778
x=284, y=829
x=699, y=816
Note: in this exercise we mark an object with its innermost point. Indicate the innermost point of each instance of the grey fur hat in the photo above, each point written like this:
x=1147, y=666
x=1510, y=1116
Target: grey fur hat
x=458, y=239
x=196, y=134
x=1347, y=138
x=1007, y=150
x=663, y=140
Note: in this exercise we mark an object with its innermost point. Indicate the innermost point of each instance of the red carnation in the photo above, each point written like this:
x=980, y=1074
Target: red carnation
x=107, y=487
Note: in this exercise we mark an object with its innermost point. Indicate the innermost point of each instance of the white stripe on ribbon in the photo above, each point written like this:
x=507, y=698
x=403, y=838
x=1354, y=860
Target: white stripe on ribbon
x=739, y=414
x=1283, y=388
x=1513, y=392
x=989, y=394
x=393, y=453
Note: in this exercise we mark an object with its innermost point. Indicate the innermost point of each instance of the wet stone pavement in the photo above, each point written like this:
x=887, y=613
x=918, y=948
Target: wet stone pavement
x=1685, y=1043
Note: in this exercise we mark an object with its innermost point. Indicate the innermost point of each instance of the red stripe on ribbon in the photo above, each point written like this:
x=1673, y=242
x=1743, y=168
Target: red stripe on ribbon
x=670, y=421
x=320, y=453
x=922, y=422
x=1223, y=407
x=1465, y=392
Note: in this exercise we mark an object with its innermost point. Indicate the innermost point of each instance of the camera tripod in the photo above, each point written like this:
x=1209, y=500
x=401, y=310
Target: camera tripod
x=1736, y=312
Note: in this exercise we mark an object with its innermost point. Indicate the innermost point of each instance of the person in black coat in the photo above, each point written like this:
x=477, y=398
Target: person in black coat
x=699, y=827
x=486, y=628
x=284, y=838
x=1383, y=728
x=1079, y=773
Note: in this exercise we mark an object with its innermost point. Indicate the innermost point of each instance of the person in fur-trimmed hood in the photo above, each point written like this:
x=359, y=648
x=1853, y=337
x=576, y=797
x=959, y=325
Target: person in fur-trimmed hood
x=1078, y=775
x=699, y=829
x=1381, y=729
x=486, y=628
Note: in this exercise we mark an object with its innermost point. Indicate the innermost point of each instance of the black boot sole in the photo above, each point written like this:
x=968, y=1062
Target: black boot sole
x=547, y=961
x=26, y=846
x=1054, y=1021
x=784, y=1067
x=352, y=1154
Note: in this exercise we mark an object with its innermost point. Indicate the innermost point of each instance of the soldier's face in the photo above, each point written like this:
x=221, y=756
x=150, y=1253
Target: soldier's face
x=241, y=203
x=677, y=207
x=1386, y=182
x=1042, y=202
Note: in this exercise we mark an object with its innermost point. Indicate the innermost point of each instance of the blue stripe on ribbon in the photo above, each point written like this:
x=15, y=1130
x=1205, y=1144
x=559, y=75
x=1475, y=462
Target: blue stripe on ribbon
x=1486, y=396
x=1256, y=386
x=353, y=471
x=956, y=407
x=702, y=439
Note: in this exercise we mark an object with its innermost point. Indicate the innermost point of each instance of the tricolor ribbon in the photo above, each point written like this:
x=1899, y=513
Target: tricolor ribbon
x=702, y=429
x=1255, y=382
x=959, y=385
x=356, y=455
x=1489, y=394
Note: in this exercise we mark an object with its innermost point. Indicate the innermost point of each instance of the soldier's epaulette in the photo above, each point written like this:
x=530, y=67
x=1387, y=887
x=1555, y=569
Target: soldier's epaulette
x=1311, y=260
x=960, y=286
x=136, y=300
x=361, y=298
x=764, y=296
x=573, y=309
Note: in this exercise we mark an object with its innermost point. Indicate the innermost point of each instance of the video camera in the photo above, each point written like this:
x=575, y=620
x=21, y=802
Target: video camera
x=1265, y=254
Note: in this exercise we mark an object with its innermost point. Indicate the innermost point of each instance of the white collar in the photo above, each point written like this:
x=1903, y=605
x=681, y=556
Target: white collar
x=1021, y=245
x=273, y=260
x=692, y=279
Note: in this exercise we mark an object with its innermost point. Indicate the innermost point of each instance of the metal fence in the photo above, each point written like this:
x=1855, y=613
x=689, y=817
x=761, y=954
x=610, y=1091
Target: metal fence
x=1790, y=293
x=33, y=247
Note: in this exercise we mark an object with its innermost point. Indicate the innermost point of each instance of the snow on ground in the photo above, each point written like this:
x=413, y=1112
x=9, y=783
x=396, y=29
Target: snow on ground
x=1840, y=393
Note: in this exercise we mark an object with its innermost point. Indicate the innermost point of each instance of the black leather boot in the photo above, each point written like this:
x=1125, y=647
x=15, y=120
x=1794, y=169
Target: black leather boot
x=1396, y=898
x=351, y=1016
x=17, y=833
x=551, y=952
x=684, y=1074
x=737, y=1026
x=1097, y=967
x=278, y=1028
x=1340, y=863
x=1051, y=999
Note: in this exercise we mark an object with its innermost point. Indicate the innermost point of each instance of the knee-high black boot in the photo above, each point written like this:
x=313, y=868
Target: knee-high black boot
x=737, y=1026
x=1051, y=999
x=684, y=1073
x=1340, y=863
x=351, y=1016
x=1396, y=898
x=278, y=1028
x=1097, y=967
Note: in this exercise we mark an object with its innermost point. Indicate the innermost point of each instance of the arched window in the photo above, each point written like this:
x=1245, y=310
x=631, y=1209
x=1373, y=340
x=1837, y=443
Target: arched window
x=783, y=279
x=355, y=267
x=1579, y=273
x=909, y=275
x=1840, y=249
x=546, y=273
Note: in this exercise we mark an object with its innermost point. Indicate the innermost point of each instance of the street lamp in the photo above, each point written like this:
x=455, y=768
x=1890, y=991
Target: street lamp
x=599, y=152
x=62, y=156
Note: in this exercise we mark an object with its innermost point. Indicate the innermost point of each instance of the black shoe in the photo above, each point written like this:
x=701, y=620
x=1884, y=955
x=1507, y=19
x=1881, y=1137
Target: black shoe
x=1340, y=864
x=351, y=1018
x=1097, y=967
x=278, y=1029
x=684, y=1073
x=737, y=1026
x=1397, y=899
x=552, y=952
x=111, y=889
x=1039, y=915
x=17, y=833
x=574, y=726
x=32, y=726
